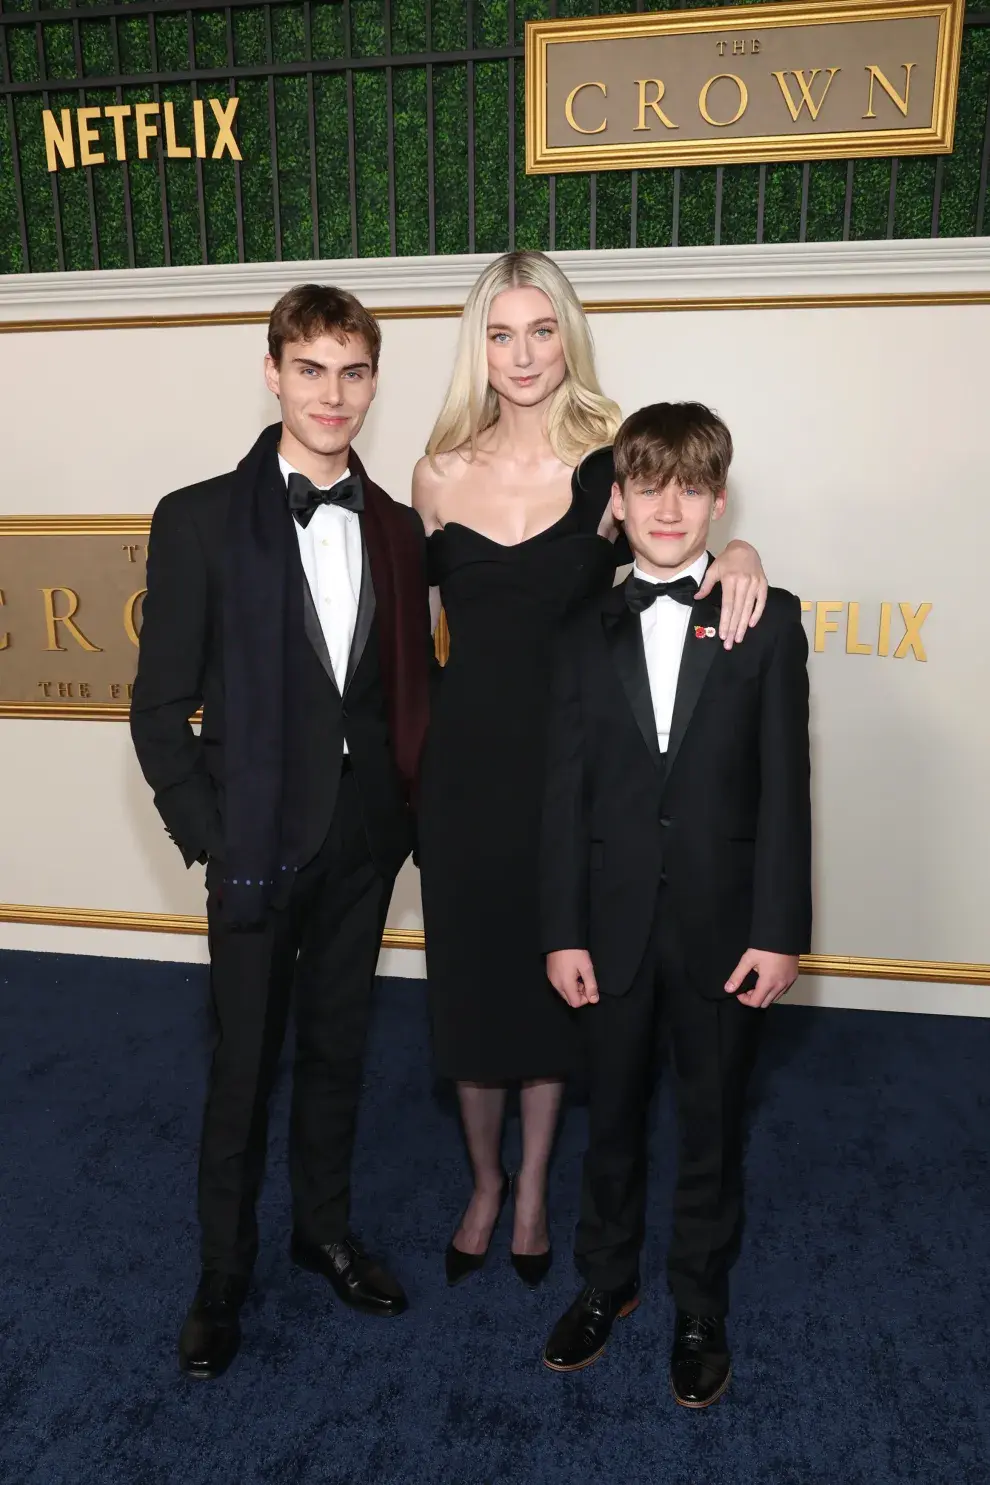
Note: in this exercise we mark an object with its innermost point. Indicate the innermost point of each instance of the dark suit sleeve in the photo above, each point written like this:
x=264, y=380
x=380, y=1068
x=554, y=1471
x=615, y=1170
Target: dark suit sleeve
x=782, y=876
x=564, y=838
x=168, y=687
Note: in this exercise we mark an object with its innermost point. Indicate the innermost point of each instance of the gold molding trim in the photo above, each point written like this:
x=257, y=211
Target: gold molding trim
x=931, y=971
x=217, y=317
x=181, y=923
x=906, y=299
x=73, y=525
x=937, y=138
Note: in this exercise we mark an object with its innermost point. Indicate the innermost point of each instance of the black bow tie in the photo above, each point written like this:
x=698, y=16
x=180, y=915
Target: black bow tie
x=304, y=496
x=640, y=594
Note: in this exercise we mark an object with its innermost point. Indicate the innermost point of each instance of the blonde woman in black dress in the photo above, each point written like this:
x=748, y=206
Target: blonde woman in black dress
x=515, y=496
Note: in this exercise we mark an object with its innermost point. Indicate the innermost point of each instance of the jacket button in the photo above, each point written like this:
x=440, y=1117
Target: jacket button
x=665, y=821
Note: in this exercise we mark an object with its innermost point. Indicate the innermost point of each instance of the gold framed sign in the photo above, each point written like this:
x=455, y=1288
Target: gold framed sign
x=835, y=79
x=71, y=589
x=70, y=612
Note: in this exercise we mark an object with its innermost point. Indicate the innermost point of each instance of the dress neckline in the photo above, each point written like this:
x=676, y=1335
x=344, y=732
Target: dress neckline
x=511, y=546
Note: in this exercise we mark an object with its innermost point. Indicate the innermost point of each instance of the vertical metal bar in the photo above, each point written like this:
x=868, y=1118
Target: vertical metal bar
x=761, y=203
x=892, y=197
x=351, y=153
x=805, y=193
x=511, y=40
x=156, y=93
x=675, y=220
x=633, y=207
x=15, y=158
x=94, y=230
x=981, y=200
x=593, y=211
x=238, y=190
x=937, y=197
x=124, y=167
x=553, y=212
x=314, y=179
x=431, y=164
x=512, y=153
x=847, y=210
x=470, y=127
x=273, y=140
x=46, y=102
x=719, y=185
x=204, y=252
x=390, y=126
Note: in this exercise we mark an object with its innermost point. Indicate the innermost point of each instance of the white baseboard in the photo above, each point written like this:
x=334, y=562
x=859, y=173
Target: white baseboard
x=925, y=266
x=918, y=996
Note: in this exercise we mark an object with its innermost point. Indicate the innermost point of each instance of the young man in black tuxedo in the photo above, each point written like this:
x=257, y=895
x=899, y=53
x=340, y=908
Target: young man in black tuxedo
x=676, y=882
x=289, y=600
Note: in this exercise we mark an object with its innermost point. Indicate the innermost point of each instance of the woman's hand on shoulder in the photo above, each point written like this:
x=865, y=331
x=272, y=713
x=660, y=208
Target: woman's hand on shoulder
x=744, y=590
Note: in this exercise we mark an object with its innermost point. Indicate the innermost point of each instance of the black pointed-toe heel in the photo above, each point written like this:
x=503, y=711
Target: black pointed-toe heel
x=460, y=1265
x=532, y=1268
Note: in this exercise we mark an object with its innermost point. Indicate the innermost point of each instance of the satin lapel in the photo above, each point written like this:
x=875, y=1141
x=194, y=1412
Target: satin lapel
x=696, y=661
x=365, y=615
x=624, y=636
x=314, y=630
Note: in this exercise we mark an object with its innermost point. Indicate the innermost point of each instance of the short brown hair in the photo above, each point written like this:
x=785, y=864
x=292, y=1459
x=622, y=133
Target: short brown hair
x=311, y=310
x=685, y=441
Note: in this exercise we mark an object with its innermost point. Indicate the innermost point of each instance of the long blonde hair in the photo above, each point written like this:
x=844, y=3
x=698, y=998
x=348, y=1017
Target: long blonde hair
x=579, y=417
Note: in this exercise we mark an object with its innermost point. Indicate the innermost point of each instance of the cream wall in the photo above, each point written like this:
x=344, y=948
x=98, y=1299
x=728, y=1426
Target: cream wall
x=859, y=435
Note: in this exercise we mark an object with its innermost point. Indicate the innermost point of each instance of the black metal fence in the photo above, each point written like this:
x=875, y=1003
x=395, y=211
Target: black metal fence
x=301, y=62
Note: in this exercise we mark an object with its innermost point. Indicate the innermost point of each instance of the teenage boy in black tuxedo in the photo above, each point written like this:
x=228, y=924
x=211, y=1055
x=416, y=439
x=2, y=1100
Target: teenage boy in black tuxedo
x=676, y=882
x=289, y=600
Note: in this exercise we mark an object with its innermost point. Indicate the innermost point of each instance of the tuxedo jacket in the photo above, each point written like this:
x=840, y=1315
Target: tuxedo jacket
x=180, y=668
x=723, y=824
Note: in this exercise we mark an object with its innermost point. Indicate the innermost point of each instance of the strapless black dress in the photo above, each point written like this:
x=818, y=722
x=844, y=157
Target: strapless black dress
x=495, y=1016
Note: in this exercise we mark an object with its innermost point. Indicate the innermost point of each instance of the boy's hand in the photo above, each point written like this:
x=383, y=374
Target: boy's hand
x=744, y=590
x=775, y=974
x=572, y=975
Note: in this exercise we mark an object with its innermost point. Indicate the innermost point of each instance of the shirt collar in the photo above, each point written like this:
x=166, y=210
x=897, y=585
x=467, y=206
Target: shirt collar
x=287, y=469
x=697, y=570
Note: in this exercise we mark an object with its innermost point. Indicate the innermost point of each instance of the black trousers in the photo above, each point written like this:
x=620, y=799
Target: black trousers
x=712, y=1045
x=320, y=952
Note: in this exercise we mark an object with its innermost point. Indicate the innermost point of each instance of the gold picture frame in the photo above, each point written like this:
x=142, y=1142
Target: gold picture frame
x=937, y=138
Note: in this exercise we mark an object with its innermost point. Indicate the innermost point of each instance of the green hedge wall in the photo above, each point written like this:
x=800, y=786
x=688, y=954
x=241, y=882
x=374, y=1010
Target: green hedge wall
x=167, y=191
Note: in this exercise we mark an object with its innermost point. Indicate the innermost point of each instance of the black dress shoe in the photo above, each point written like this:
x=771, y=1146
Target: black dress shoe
x=532, y=1268
x=700, y=1364
x=459, y=1265
x=211, y=1332
x=357, y=1278
x=580, y=1334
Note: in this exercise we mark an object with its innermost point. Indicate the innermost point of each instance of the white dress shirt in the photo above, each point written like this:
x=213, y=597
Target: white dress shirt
x=330, y=548
x=665, y=626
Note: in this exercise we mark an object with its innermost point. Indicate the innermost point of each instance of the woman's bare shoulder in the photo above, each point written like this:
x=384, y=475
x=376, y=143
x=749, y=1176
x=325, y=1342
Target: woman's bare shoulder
x=433, y=479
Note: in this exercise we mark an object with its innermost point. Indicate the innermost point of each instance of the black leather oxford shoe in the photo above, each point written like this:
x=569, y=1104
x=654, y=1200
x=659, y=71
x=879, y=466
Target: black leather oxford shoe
x=357, y=1278
x=211, y=1333
x=700, y=1364
x=580, y=1334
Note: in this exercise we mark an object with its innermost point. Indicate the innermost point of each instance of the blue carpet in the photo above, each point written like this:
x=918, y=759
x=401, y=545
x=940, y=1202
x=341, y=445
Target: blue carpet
x=861, y=1300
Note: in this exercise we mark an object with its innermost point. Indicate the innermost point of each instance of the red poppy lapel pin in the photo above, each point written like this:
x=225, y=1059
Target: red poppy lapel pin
x=702, y=631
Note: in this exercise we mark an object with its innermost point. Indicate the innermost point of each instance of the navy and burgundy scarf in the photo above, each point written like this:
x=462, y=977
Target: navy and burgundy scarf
x=263, y=635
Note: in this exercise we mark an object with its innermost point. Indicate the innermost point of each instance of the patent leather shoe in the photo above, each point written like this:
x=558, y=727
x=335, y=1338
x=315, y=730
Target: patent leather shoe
x=700, y=1364
x=459, y=1265
x=211, y=1333
x=355, y=1277
x=580, y=1334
